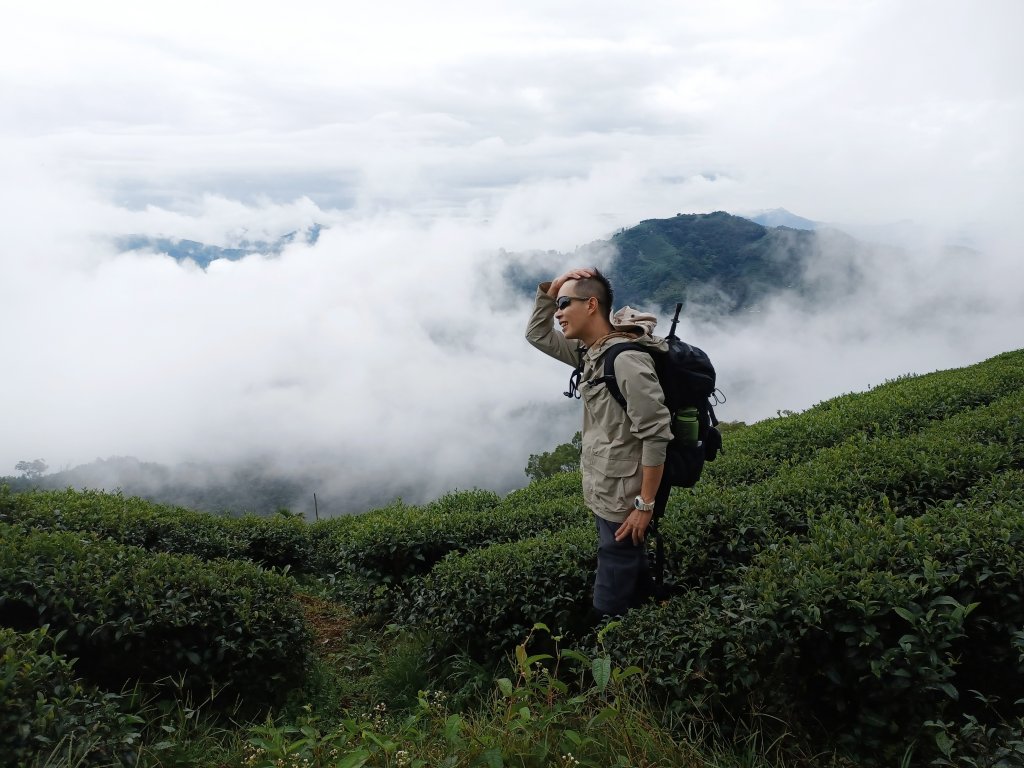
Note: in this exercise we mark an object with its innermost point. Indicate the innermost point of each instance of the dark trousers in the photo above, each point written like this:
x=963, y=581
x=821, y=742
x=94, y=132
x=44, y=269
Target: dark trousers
x=623, y=573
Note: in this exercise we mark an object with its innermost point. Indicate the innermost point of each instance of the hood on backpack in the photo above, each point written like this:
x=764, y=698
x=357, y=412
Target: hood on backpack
x=629, y=320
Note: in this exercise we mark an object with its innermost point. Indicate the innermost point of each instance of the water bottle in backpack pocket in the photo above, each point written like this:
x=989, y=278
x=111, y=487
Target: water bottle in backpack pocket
x=685, y=455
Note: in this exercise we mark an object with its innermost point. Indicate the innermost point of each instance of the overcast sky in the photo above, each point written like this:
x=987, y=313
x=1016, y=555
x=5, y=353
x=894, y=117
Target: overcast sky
x=426, y=136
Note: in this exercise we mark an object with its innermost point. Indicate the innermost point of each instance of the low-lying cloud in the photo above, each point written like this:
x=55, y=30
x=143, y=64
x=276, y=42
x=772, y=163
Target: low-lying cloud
x=388, y=358
x=426, y=139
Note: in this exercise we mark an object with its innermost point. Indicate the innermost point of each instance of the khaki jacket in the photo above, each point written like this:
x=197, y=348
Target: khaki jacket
x=616, y=443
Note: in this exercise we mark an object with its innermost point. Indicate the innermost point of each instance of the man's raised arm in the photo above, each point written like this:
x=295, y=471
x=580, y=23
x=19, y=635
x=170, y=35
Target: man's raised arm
x=540, y=331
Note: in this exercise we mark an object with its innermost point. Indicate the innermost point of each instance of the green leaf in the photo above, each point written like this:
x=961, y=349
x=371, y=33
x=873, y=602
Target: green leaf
x=622, y=674
x=559, y=686
x=944, y=743
x=492, y=758
x=601, y=668
x=949, y=690
x=606, y=714
x=569, y=653
x=521, y=660
x=355, y=759
x=505, y=685
x=606, y=629
x=904, y=613
x=452, y=726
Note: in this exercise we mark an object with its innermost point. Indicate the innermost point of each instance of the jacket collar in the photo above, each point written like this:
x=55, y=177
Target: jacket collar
x=605, y=343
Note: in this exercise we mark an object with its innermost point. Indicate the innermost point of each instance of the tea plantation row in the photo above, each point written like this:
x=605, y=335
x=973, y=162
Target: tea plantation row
x=504, y=590
x=872, y=623
x=390, y=545
x=128, y=615
x=854, y=569
x=384, y=546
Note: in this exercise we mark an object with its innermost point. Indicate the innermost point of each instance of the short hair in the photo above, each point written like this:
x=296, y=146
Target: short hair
x=598, y=287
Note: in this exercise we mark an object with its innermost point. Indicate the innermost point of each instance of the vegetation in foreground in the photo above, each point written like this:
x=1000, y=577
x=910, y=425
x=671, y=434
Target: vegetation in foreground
x=849, y=591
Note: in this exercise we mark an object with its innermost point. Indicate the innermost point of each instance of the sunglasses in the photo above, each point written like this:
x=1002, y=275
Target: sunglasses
x=564, y=301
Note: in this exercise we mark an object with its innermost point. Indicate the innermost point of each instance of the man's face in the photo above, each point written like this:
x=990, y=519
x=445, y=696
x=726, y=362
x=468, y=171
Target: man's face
x=573, y=315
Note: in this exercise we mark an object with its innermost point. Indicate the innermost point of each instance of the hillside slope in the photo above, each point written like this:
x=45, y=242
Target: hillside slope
x=854, y=572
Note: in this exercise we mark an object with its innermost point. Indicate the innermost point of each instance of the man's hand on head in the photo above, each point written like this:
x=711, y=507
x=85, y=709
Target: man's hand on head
x=579, y=273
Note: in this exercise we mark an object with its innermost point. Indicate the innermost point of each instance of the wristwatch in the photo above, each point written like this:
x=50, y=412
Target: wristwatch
x=643, y=506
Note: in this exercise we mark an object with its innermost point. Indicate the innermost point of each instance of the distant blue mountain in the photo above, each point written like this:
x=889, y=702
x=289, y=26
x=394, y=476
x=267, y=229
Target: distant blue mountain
x=203, y=254
x=780, y=217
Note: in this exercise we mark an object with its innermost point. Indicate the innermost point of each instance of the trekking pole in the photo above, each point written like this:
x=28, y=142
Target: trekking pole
x=675, y=322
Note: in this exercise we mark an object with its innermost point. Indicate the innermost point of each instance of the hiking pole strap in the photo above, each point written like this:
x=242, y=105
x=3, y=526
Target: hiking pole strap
x=660, y=502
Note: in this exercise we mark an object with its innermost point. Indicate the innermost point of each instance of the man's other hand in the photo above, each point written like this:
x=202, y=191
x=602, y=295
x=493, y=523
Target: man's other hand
x=635, y=525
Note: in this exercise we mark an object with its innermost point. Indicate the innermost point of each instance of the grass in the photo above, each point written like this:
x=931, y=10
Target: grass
x=369, y=701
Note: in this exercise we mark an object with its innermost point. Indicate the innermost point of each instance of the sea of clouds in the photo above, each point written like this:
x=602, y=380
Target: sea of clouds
x=388, y=357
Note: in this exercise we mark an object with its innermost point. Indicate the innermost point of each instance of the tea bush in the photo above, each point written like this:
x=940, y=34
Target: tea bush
x=871, y=625
x=715, y=530
x=895, y=409
x=388, y=547
x=133, y=521
x=44, y=707
x=392, y=550
x=128, y=520
x=381, y=547
x=723, y=529
x=131, y=615
x=483, y=602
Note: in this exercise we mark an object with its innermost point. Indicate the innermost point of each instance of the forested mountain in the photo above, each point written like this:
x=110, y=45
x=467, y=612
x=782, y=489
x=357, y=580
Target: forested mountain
x=716, y=262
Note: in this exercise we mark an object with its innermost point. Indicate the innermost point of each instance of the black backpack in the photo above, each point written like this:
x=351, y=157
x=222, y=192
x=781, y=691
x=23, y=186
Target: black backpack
x=688, y=380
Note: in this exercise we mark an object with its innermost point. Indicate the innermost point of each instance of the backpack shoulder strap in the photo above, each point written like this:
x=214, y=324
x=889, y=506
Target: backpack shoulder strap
x=608, y=379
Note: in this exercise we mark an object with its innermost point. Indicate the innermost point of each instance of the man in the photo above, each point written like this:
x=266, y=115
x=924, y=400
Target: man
x=623, y=454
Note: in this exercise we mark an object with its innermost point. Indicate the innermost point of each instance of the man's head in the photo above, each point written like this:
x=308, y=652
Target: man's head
x=584, y=307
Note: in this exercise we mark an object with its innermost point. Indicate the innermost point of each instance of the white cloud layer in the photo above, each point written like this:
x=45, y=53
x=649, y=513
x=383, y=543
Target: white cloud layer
x=427, y=137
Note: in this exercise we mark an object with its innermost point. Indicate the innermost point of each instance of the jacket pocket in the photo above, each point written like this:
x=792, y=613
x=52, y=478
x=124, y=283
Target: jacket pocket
x=611, y=467
x=611, y=483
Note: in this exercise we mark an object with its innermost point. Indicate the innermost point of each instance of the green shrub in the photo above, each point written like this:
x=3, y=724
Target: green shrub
x=476, y=500
x=871, y=625
x=722, y=529
x=44, y=707
x=128, y=520
x=130, y=615
x=711, y=531
x=895, y=409
x=270, y=541
x=412, y=540
x=563, y=486
x=275, y=542
x=485, y=601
